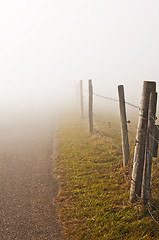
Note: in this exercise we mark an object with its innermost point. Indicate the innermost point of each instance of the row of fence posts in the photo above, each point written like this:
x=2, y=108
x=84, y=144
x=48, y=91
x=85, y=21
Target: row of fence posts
x=147, y=137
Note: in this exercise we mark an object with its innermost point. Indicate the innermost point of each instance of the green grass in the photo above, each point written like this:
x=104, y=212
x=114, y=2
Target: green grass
x=93, y=201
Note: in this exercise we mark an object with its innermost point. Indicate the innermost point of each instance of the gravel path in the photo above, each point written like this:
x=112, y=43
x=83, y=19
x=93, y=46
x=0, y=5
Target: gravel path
x=27, y=184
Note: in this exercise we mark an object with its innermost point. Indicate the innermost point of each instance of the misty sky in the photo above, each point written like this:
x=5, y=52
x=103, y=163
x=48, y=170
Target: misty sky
x=47, y=46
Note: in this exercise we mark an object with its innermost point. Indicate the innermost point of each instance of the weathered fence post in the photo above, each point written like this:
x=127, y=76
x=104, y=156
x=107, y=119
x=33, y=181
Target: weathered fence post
x=90, y=107
x=156, y=140
x=141, y=139
x=124, y=129
x=81, y=98
x=149, y=149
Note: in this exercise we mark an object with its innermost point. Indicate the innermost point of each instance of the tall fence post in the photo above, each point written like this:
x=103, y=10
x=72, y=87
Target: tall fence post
x=124, y=129
x=90, y=107
x=81, y=98
x=149, y=149
x=141, y=139
x=156, y=140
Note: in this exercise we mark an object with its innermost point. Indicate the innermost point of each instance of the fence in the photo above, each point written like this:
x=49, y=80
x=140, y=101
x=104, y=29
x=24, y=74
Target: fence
x=145, y=142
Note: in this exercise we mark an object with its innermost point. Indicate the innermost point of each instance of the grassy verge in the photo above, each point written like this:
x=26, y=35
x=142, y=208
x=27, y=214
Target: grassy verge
x=93, y=202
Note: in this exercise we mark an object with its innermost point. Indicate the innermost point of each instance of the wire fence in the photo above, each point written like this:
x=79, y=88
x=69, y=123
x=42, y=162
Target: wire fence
x=153, y=204
x=110, y=123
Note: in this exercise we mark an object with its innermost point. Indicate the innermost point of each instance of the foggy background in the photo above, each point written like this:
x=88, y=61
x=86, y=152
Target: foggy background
x=47, y=46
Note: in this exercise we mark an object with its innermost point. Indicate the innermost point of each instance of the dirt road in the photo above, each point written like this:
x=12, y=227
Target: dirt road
x=27, y=184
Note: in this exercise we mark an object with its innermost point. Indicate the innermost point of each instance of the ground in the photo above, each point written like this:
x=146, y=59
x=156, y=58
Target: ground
x=28, y=187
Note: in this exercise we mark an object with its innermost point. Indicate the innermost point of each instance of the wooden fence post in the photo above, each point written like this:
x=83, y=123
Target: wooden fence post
x=90, y=107
x=156, y=140
x=149, y=149
x=124, y=129
x=81, y=98
x=141, y=138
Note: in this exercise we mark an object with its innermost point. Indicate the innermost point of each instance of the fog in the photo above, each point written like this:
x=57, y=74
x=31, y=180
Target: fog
x=46, y=47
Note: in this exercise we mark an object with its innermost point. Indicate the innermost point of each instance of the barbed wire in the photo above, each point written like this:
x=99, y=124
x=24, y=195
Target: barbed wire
x=154, y=206
x=151, y=214
x=156, y=177
x=108, y=98
x=155, y=162
x=149, y=206
x=112, y=99
x=132, y=134
x=108, y=123
x=153, y=137
x=156, y=193
x=111, y=126
x=132, y=105
x=100, y=132
x=155, y=118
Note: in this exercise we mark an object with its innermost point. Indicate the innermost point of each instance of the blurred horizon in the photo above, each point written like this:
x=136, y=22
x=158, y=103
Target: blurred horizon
x=47, y=47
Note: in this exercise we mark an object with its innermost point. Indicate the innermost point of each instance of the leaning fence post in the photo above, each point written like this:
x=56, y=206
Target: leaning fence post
x=81, y=98
x=149, y=149
x=90, y=107
x=141, y=138
x=124, y=129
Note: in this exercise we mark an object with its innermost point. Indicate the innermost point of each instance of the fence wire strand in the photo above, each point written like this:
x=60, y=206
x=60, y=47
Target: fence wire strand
x=150, y=205
x=115, y=100
x=101, y=133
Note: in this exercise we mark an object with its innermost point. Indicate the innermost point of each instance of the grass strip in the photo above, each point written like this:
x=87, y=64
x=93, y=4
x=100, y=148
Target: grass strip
x=93, y=201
